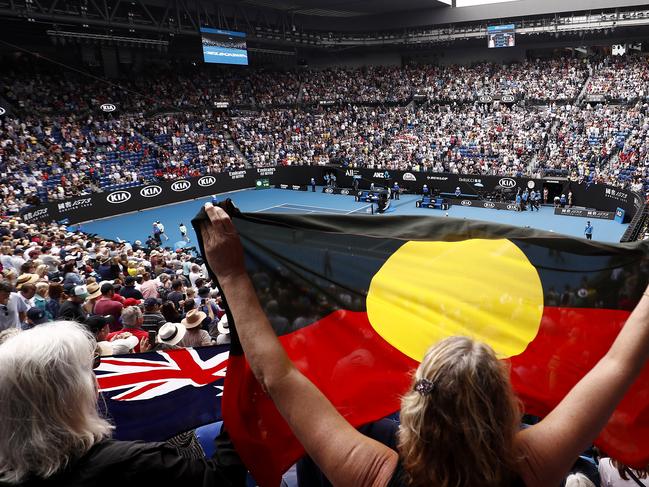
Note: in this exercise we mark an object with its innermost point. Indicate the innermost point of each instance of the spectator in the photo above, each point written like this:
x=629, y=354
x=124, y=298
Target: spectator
x=12, y=307
x=170, y=312
x=153, y=319
x=461, y=390
x=132, y=321
x=195, y=336
x=171, y=334
x=177, y=295
x=34, y=317
x=148, y=288
x=55, y=293
x=106, y=305
x=72, y=308
x=94, y=293
x=616, y=474
x=40, y=298
x=129, y=290
x=41, y=442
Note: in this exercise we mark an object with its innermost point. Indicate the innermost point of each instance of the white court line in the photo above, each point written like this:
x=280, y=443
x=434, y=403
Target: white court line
x=269, y=208
x=358, y=209
x=316, y=207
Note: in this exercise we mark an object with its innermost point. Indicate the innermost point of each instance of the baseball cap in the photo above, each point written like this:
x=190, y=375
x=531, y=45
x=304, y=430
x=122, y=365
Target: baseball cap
x=36, y=316
x=129, y=280
x=151, y=302
x=80, y=291
x=131, y=302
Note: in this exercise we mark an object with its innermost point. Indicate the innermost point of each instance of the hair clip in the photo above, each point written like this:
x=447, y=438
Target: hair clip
x=424, y=386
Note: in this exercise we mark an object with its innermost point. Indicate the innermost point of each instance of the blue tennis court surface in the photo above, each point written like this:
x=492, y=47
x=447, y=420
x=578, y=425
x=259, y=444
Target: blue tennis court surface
x=137, y=226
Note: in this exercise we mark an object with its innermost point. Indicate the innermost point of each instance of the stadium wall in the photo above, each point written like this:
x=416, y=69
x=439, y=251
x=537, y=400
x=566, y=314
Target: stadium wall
x=102, y=205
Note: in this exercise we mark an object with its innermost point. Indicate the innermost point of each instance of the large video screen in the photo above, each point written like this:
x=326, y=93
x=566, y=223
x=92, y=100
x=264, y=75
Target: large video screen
x=224, y=46
x=501, y=36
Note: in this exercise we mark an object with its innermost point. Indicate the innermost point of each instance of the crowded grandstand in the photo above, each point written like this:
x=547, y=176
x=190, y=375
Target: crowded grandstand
x=405, y=245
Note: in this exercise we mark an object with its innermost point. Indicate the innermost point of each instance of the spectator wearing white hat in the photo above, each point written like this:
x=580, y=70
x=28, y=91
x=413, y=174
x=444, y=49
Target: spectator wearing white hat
x=170, y=334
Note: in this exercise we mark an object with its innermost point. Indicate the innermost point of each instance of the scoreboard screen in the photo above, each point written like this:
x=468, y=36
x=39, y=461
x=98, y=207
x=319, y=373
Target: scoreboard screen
x=501, y=36
x=224, y=46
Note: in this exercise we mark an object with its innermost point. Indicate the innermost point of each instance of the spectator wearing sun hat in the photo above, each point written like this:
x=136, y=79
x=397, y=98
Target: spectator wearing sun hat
x=195, y=336
x=94, y=293
x=72, y=308
x=26, y=279
x=170, y=334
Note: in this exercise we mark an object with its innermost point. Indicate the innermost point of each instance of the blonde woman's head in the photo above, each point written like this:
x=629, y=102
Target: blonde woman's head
x=459, y=419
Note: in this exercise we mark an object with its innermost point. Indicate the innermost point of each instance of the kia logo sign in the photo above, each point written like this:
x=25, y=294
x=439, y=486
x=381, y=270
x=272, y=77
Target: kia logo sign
x=466, y=203
x=485, y=99
x=409, y=177
x=118, y=197
x=531, y=184
x=181, y=185
x=206, y=181
x=329, y=190
x=108, y=107
x=508, y=98
x=2, y=111
x=150, y=191
x=344, y=191
x=511, y=207
x=489, y=205
x=507, y=183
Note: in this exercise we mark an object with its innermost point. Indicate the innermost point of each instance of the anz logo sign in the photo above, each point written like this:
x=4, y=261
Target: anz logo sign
x=118, y=197
x=507, y=183
x=206, y=181
x=180, y=186
x=151, y=191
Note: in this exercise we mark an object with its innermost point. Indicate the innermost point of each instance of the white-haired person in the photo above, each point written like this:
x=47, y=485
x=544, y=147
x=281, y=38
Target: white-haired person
x=52, y=435
x=459, y=420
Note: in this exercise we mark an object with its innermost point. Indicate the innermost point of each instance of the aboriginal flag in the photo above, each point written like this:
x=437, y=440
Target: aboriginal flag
x=356, y=302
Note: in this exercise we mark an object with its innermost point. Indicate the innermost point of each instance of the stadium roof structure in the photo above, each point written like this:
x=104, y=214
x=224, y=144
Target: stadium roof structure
x=346, y=9
x=324, y=24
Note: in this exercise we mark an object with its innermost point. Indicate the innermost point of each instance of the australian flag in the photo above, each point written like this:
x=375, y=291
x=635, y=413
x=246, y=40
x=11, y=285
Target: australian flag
x=156, y=395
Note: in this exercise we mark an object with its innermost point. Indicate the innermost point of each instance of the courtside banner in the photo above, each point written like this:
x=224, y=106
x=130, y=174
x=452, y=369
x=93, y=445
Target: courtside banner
x=356, y=301
x=101, y=205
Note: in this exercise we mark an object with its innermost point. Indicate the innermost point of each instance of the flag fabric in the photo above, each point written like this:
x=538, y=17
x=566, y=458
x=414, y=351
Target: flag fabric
x=156, y=395
x=356, y=302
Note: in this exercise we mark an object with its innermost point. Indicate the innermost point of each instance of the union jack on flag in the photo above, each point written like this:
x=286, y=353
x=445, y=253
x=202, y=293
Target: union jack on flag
x=156, y=395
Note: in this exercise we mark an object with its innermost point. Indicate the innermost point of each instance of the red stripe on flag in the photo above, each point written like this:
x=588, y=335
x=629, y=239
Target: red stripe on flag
x=569, y=343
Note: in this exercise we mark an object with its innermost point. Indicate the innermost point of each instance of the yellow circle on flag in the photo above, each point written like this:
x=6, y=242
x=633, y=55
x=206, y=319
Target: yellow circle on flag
x=484, y=289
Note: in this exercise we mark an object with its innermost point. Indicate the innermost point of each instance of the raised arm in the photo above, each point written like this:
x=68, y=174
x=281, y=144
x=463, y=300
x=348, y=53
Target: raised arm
x=552, y=446
x=344, y=455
